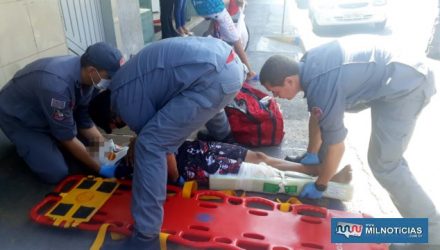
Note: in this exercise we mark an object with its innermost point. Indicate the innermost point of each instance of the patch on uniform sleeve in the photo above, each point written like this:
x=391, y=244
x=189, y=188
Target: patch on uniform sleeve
x=122, y=61
x=58, y=115
x=57, y=104
x=317, y=112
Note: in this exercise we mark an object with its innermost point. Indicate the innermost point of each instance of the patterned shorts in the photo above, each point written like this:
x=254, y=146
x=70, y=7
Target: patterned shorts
x=196, y=160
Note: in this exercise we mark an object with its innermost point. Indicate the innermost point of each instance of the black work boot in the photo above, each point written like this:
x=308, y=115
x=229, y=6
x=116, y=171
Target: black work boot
x=204, y=135
x=229, y=139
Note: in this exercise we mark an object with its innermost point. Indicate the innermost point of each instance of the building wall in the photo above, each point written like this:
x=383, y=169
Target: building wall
x=122, y=25
x=29, y=29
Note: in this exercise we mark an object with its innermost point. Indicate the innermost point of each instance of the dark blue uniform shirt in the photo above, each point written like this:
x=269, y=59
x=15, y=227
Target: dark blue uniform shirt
x=47, y=96
x=349, y=75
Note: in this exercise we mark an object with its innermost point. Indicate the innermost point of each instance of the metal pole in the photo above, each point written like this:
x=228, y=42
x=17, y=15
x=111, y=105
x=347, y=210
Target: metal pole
x=284, y=14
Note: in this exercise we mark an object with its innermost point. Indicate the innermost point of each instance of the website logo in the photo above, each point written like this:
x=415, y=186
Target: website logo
x=349, y=229
x=379, y=230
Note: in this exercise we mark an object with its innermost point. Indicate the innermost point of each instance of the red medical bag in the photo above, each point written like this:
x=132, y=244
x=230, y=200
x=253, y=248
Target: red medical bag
x=255, y=118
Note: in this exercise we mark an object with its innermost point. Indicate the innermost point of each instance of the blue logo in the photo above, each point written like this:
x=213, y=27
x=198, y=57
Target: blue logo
x=349, y=229
x=379, y=230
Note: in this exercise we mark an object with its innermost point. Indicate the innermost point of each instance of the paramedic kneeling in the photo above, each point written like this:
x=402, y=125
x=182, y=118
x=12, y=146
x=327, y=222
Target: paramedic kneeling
x=164, y=93
x=351, y=75
x=44, y=106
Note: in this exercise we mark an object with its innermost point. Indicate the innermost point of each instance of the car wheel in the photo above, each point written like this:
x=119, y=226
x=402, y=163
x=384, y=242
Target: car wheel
x=316, y=27
x=380, y=26
x=302, y=4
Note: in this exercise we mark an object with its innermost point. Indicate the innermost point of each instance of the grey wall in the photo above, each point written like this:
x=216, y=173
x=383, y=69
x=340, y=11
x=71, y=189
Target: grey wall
x=107, y=20
x=122, y=25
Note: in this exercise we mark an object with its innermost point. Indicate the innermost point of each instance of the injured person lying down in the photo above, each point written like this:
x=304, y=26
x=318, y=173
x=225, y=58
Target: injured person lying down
x=223, y=166
x=197, y=160
x=228, y=166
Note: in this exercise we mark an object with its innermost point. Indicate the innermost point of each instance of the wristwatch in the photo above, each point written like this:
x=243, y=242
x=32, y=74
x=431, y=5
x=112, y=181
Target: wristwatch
x=320, y=187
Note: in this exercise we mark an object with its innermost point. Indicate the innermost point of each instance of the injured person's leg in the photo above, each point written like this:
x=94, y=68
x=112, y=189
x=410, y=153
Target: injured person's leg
x=343, y=176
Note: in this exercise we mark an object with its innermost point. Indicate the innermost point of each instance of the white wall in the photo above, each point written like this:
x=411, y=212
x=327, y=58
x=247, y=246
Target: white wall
x=29, y=29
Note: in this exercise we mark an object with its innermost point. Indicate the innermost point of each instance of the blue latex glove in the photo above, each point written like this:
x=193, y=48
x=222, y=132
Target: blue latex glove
x=107, y=170
x=179, y=182
x=310, y=159
x=310, y=191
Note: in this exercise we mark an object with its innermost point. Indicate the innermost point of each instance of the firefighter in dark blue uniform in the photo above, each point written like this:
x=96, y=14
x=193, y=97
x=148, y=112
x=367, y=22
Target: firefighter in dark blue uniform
x=350, y=75
x=43, y=109
x=164, y=93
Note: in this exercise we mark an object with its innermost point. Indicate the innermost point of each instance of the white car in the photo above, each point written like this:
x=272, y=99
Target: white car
x=325, y=13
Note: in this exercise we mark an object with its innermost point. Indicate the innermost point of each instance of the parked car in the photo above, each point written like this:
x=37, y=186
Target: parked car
x=325, y=13
x=302, y=4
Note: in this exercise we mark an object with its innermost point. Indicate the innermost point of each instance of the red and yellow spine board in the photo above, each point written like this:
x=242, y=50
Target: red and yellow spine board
x=210, y=219
x=86, y=203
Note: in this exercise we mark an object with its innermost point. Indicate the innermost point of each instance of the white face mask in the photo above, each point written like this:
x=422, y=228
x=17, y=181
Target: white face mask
x=102, y=84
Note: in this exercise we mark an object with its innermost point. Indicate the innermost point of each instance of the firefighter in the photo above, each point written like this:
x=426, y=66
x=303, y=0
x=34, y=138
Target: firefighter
x=164, y=93
x=353, y=74
x=43, y=110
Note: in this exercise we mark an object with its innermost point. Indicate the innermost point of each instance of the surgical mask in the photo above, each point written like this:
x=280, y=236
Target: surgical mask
x=102, y=84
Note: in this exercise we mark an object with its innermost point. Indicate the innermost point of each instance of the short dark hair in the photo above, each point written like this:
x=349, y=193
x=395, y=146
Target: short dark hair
x=276, y=69
x=100, y=111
